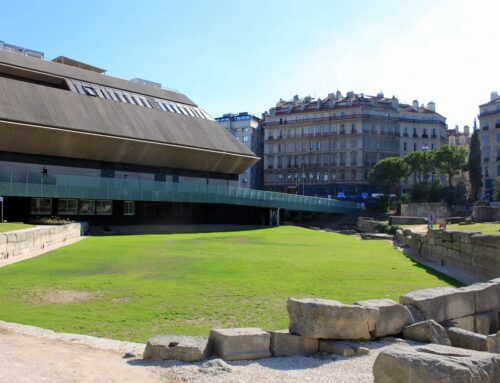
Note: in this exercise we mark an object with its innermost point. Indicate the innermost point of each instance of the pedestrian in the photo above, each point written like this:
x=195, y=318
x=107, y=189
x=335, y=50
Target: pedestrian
x=45, y=175
x=430, y=220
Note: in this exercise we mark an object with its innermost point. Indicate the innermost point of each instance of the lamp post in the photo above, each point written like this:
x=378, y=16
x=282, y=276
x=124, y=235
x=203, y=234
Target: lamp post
x=303, y=178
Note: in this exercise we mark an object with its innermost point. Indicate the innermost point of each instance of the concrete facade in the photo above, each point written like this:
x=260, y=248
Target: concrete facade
x=489, y=135
x=248, y=130
x=327, y=146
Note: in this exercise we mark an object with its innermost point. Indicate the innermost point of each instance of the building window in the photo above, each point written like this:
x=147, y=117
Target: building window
x=87, y=207
x=67, y=207
x=414, y=146
x=128, y=208
x=41, y=206
x=245, y=138
x=486, y=171
x=405, y=148
x=89, y=91
x=104, y=207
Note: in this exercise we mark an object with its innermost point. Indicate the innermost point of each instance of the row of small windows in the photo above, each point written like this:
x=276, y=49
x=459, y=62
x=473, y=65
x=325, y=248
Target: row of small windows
x=43, y=206
x=94, y=90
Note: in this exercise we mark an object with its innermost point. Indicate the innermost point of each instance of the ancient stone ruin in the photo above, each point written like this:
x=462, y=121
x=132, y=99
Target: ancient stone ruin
x=460, y=324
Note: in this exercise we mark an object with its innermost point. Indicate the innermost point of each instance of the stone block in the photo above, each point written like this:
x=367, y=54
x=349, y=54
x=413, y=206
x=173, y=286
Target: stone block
x=427, y=332
x=342, y=348
x=283, y=343
x=183, y=348
x=441, y=303
x=436, y=364
x=467, y=339
x=486, y=323
x=494, y=343
x=486, y=296
x=321, y=318
x=240, y=343
x=416, y=314
x=393, y=317
x=465, y=323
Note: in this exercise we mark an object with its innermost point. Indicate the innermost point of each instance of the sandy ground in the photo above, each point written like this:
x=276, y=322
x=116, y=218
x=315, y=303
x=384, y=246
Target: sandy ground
x=31, y=354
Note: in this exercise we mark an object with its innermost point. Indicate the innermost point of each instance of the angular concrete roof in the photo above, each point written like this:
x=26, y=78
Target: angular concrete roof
x=45, y=120
x=72, y=72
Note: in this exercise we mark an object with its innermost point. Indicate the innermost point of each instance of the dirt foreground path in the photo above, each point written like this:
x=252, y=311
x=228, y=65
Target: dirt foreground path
x=28, y=354
x=31, y=354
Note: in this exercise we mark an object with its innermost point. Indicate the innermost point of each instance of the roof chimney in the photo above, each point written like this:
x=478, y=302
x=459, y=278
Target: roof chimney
x=431, y=106
x=493, y=96
x=415, y=105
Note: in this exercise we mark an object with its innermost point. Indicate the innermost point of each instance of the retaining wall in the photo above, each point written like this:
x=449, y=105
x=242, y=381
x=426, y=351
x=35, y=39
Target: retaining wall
x=486, y=213
x=22, y=242
x=368, y=225
x=474, y=253
x=438, y=209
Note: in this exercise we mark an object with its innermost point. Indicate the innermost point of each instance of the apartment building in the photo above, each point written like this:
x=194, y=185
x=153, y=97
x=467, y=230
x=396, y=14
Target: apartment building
x=247, y=129
x=327, y=146
x=460, y=137
x=489, y=135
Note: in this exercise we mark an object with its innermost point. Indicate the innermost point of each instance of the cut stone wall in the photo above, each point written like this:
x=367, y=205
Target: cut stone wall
x=486, y=213
x=22, y=242
x=474, y=253
x=438, y=209
x=368, y=225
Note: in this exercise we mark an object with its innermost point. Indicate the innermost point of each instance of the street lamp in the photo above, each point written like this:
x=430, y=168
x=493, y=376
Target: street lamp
x=303, y=177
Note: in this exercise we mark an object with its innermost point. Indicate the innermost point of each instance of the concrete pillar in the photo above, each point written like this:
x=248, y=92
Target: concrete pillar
x=278, y=216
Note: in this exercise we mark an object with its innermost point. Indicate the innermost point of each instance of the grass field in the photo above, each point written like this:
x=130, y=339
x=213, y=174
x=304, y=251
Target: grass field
x=133, y=287
x=485, y=228
x=13, y=226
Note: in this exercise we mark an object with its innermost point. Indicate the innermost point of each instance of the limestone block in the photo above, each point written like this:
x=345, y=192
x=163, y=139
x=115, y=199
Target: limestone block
x=3, y=239
x=494, y=343
x=486, y=296
x=467, y=339
x=393, y=317
x=342, y=348
x=183, y=348
x=321, y=318
x=416, y=314
x=240, y=343
x=283, y=343
x=441, y=303
x=465, y=323
x=427, y=332
x=486, y=323
x=436, y=364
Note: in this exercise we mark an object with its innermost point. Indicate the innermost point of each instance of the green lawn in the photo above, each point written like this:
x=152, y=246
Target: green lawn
x=485, y=228
x=142, y=285
x=13, y=226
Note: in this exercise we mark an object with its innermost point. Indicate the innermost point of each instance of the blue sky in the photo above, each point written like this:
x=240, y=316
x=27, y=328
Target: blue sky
x=232, y=56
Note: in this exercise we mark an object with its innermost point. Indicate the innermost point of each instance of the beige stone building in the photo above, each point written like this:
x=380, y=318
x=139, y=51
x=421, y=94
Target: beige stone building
x=457, y=137
x=489, y=124
x=327, y=146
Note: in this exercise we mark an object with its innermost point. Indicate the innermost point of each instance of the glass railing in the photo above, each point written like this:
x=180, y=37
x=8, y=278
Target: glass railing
x=29, y=184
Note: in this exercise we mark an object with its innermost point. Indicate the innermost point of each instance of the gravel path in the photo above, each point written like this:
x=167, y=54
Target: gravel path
x=31, y=354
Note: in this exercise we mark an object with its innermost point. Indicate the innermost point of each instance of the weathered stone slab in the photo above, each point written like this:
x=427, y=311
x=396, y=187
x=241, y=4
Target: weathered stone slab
x=435, y=364
x=283, y=343
x=487, y=323
x=341, y=348
x=326, y=319
x=240, y=343
x=465, y=323
x=486, y=296
x=416, y=314
x=427, y=332
x=494, y=343
x=183, y=348
x=467, y=339
x=441, y=303
x=393, y=317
